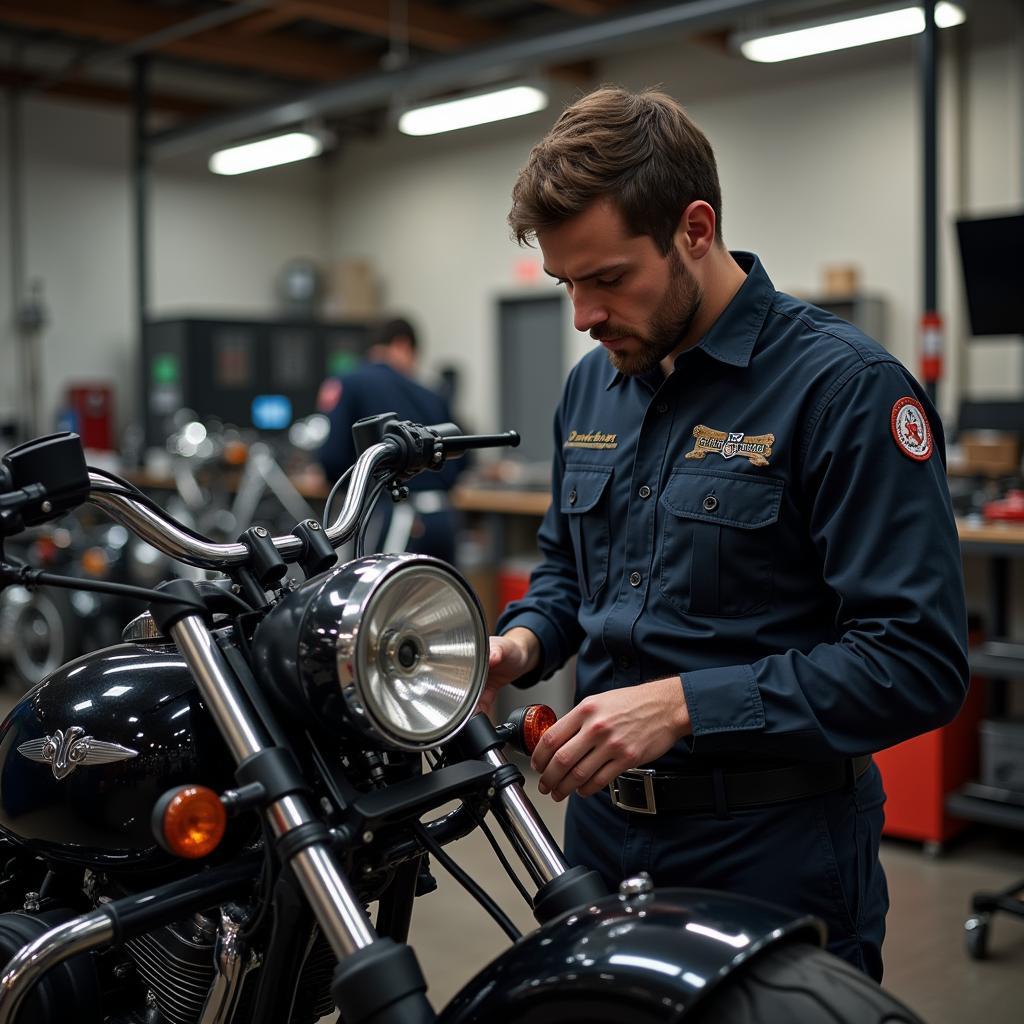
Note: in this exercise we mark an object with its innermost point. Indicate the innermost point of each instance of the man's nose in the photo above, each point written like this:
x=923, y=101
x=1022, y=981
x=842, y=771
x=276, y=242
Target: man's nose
x=587, y=314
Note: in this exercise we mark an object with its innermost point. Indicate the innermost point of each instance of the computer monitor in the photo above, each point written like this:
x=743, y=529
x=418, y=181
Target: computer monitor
x=992, y=254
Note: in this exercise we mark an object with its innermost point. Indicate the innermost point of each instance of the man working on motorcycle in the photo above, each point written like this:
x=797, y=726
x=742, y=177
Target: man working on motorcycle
x=750, y=547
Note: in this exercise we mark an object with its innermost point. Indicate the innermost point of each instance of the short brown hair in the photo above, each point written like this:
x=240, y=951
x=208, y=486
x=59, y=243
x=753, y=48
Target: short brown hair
x=638, y=149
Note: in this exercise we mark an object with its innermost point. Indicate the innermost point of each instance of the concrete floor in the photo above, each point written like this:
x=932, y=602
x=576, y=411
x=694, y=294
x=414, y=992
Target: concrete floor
x=926, y=964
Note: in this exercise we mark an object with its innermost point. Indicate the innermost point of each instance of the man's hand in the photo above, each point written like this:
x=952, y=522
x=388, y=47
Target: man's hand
x=607, y=733
x=512, y=656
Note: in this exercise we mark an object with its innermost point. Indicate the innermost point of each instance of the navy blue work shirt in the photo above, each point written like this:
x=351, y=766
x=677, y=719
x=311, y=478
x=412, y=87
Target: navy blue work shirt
x=375, y=388
x=772, y=523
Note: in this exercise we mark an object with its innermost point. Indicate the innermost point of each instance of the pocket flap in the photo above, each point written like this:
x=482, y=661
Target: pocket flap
x=731, y=499
x=582, y=487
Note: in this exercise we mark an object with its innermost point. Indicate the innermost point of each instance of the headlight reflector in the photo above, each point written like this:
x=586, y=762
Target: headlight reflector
x=415, y=663
x=391, y=646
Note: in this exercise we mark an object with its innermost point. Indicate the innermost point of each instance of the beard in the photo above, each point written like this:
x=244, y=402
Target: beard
x=668, y=325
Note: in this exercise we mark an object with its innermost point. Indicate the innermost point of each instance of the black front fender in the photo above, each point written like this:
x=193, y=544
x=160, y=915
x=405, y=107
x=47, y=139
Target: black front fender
x=652, y=956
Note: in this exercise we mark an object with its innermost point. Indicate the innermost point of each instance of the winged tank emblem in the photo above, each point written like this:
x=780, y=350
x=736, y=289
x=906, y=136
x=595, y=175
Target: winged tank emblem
x=65, y=751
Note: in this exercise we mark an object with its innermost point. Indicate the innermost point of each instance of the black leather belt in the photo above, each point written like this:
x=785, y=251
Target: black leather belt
x=645, y=791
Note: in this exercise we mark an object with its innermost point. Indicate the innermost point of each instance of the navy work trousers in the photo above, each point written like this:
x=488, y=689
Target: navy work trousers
x=814, y=856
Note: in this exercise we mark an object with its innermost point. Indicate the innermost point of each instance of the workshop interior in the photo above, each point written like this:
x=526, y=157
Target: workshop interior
x=209, y=212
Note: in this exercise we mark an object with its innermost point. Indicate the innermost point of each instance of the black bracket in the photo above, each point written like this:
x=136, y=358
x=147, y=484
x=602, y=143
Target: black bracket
x=276, y=770
x=265, y=560
x=317, y=554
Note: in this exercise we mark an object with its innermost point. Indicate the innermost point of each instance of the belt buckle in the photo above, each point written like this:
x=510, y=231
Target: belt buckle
x=644, y=775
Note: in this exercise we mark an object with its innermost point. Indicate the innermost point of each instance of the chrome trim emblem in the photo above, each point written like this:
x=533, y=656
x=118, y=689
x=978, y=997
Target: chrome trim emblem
x=65, y=751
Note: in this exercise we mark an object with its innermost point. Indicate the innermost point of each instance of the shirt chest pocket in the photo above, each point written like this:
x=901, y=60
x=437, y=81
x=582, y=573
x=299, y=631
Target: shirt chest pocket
x=718, y=542
x=585, y=505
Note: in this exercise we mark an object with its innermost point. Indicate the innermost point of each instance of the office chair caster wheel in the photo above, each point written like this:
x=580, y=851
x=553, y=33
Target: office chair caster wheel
x=976, y=935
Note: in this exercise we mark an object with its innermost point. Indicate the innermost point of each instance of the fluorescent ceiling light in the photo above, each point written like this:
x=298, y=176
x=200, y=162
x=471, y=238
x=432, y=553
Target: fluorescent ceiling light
x=840, y=35
x=472, y=110
x=254, y=156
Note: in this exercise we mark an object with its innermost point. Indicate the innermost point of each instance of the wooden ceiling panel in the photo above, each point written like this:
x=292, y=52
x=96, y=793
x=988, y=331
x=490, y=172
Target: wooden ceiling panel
x=117, y=23
x=426, y=25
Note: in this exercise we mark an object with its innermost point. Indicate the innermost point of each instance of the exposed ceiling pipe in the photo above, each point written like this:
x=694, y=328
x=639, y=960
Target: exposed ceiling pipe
x=434, y=74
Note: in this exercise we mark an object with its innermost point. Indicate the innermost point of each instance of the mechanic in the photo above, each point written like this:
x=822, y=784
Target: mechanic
x=425, y=524
x=750, y=548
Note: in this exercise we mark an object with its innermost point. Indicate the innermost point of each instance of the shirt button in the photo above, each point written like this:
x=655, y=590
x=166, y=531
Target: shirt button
x=624, y=662
x=572, y=497
x=661, y=407
x=710, y=503
x=635, y=579
x=645, y=491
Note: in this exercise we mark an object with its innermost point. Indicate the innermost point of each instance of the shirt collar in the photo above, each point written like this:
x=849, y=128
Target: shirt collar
x=732, y=336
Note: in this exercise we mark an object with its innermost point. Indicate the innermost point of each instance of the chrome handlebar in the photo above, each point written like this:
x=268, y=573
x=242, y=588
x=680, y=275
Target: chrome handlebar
x=166, y=535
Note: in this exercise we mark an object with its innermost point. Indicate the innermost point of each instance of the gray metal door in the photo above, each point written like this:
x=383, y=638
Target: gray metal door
x=532, y=366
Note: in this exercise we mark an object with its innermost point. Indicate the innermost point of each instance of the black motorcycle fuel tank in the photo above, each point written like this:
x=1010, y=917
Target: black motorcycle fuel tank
x=86, y=753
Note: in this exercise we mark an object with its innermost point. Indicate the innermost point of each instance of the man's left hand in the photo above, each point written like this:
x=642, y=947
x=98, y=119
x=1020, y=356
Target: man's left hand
x=608, y=733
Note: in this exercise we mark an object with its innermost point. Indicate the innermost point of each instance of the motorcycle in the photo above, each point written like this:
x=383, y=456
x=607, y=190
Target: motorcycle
x=195, y=822
x=42, y=629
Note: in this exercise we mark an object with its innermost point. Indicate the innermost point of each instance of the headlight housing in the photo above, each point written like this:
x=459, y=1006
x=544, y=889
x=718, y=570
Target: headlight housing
x=393, y=646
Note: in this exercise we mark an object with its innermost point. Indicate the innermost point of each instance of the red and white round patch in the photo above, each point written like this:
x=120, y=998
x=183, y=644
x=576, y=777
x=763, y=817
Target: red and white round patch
x=911, y=430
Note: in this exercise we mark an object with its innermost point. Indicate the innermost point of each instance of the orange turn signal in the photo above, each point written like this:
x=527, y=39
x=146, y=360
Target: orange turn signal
x=194, y=822
x=95, y=562
x=537, y=719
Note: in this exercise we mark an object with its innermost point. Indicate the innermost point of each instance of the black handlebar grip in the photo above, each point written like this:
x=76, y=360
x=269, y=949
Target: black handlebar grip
x=462, y=443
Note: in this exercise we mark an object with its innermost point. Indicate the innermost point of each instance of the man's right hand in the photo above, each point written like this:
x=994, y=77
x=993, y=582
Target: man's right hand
x=512, y=655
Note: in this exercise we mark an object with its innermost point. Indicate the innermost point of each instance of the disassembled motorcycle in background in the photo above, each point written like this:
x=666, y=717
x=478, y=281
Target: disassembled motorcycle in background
x=195, y=821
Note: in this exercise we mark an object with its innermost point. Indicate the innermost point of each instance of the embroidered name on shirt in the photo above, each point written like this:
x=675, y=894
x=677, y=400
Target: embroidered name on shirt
x=591, y=440
x=756, y=447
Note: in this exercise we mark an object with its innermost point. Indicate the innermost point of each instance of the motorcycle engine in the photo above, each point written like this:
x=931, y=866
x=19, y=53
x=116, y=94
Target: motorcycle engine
x=176, y=966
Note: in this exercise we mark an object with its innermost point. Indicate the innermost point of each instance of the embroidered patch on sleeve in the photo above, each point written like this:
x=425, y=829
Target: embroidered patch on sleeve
x=910, y=429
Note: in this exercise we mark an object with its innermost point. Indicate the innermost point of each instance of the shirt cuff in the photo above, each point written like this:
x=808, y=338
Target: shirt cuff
x=721, y=700
x=545, y=633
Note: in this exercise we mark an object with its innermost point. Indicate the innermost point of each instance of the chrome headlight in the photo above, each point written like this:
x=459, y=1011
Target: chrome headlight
x=393, y=645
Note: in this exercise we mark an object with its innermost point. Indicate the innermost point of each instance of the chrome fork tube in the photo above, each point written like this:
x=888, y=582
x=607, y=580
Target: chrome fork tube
x=53, y=947
x=529, y=835
x=337, y=910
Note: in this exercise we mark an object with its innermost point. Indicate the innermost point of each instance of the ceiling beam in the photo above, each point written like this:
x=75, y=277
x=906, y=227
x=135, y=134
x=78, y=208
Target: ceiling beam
x=267, y=21
x=585, y=7
x=117, y=95
x=518, y=55
x=117, y=22
x=426, y=25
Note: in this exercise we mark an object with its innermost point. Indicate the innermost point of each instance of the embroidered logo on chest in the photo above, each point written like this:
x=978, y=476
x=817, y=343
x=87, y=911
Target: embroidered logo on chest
x=756, y=447
x=595, y=439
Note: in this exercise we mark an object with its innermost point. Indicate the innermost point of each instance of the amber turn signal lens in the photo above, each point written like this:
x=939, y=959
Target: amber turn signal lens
x=95, y=562
x=194, y=822
x=537, y=719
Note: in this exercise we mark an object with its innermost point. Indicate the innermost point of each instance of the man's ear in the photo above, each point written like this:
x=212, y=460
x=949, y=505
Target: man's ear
x=696, y=230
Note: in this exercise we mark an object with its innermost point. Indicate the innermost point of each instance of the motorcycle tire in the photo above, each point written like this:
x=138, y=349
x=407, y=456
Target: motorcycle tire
x=45, y=636
x=800, y=984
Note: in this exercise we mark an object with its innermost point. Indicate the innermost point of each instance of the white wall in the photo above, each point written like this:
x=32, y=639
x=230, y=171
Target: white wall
x=819, y=161
x=216, y=245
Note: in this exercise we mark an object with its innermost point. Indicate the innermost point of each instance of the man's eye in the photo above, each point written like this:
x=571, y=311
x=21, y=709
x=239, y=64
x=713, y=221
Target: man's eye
x=610, y=283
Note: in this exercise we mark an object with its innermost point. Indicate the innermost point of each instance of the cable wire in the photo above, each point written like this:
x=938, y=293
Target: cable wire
x=499, y=853
x=29, y=577
x=366, y=514
x=333, y=492
x=502, y=919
